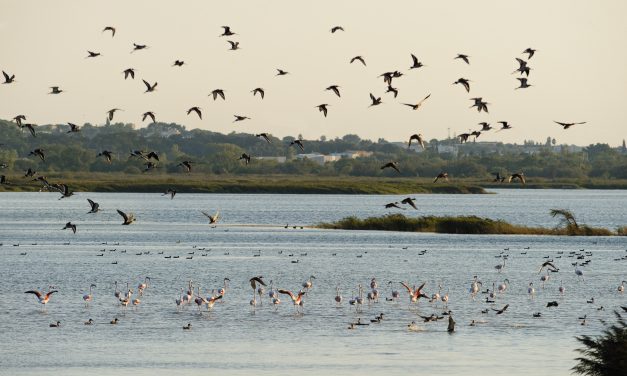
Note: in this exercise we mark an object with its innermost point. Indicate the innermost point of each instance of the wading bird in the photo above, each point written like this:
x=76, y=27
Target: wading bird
x=296, y=299
x=43, y=299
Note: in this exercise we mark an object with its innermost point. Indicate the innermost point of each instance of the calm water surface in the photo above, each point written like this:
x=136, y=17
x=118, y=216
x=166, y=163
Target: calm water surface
x=235, y=338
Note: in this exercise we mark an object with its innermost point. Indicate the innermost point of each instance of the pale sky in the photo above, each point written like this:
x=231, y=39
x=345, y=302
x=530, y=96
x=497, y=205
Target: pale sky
x=578, y=72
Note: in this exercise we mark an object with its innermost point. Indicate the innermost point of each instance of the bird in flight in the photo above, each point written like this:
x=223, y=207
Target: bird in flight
x=31, y=128
x=417, y=105
x=111, y=112
x=73, y=128
x=281, y=72
x=335, y=89
x=463, y=137
x=523, y=83
x=43, y=299
x=149, y=114
x=360, y=59
x=415, y=62
x=105, y=153
x=392, y=165
x=391, y=89
x=264, y=136
x=212, y=218
x=480, y=104
x=95, y=207
x=149, y=88
x=336, y=28
x=19, y=118
x=171, y=192
x=463, y=57
x=504, y=125
x=40, y=153
x=129, y=72
x=137, y=47
x=529, y=51
x=234, y=45
x=259, y=91
x=441, y=175
x=375, y=101
x=500, y=311
x=522, y=67
x=409, y=201
x=70, y=226
x=485, y=126
x=323, y=108
x=298, y=143
x=568, y=125
x=464, y=82
x=178, y=63
x=197, y=110
x=240, y=118
x=520, y=176
x=393, y=205
x=418, y=138
x=55, y=90
x=128, y=218
x=111, y=29
x=8, y=79
x=498, y=178
x=92, y=54
x=245, y=157
x=217, y=92
x=186, y=164
x=227, y=31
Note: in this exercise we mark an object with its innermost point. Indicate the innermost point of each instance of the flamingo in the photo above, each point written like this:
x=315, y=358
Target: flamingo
x=545, y=278
x=338, y=296
x=180, y=301
x=561, y=289
x=136, y=302
x=253, y=283
x=436, y=296
x=260, y=292
x=211, y=301
x=395, y=293
x=88, y=297
x=199, y=299
x=187, y=298
x=474, y=287
x=296, y=299
x=117, y=292
x=373, y=283
x=308, y=283
x=503, y=286
x=415, y=293
x=444, y=298
x=579, y=272
x=142, y=286
x=621, y=288
x=222, y=291
x=531, y=290
x=43, y=299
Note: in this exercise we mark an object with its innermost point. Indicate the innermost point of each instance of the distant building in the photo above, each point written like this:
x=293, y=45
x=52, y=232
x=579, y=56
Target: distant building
x=275, y=159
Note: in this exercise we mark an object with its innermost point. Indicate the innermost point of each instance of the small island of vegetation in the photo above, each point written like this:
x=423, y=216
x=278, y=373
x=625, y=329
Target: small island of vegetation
x=469, y=225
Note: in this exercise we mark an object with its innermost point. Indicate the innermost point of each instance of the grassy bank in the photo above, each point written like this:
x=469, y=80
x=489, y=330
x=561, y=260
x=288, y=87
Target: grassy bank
x=198, y=183
x=456, y=225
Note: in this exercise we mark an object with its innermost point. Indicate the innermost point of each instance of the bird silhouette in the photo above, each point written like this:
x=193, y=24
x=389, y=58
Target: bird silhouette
x=323, y=108
x=568, y=125
x=138, y=47
x=92, y=54
x=186, y=164
x=149, y=114
x=418, y=138
x=129, y=72
x=281, y=72
x=73, y=128
x=70, y=226
x=391, y=89
x=240, y=118
x=417, y=105
x=415, y=63
x=212, y=218
x=39, y=153
x=520, y=176
x=55, y=90
x=441, y=175
x=409, y=201
x=463, y=57
x=259, y=91
x=178, y=63
x=111, y=29
x=149, y=88
x=392, y=165
x=234, y=45
x=335, y=89
x=264, y=136
x=500, y=311
x=105, y=153
x=245, y=157
x=523, y=83
x=197, y=110
x=336, y=28
x=217, y=93
x=8, y=79
x=464, y=82
x=375, y=101
x=227, y=31
x=128, y=218
x=95, y=207
x=504, y=125
x=529, y=51
x=358, y=58
x=112, y=112
x=298, y=143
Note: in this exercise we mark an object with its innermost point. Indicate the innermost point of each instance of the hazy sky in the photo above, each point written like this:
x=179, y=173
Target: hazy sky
x=578, y=71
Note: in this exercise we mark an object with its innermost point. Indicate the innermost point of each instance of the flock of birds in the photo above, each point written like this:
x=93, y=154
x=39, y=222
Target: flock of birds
x=151, y=159
x=369, y=294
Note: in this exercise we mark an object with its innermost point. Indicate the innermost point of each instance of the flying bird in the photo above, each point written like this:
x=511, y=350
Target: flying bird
x=92, y=54
x=149, y=88
x=39, y=153
x=137, y=47
x=245, y=157
x=111, y=112
x=95, y=207
x=105, y=153
x=149, y=114
x=518, y=176
x=259, y=91
x=393, y=165
x=415, y=62
x=55, y=90
x=463, y=57
x=171, y=192
x=485, y=126
x=393, y=205
x=212, y=218
x=418, y=138
x=240, y=118
x=500, y=311
x=409, y=201
x=504, y=125
x=217, y=93
x=465, y=82
x=197, y=110
x=391, y=89
x=523, y=83
x=360, y=59
x=30, y=127
x=73, y=128
x=227, y=31
x=529, y=51
x=441, y=175
x=417, y=105
x=281, y=72
x=129, y=72
x=298, y=143
x=8, y=79
x=522, y=67
x=43, y=299
x=568, y=125
x=335, y=89
x=234, y=45
x=336, y=28
x=128, y=218
x=323, y=108
x=178, y=63
x=186, y=164
x=19, y=118
x=480, y=104
x=264, y=136
x=375, y=101
x=70, y=226
x=111, y=29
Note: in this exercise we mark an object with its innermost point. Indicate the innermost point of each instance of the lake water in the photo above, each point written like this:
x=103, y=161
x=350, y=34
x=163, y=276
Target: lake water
x=234, y=338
